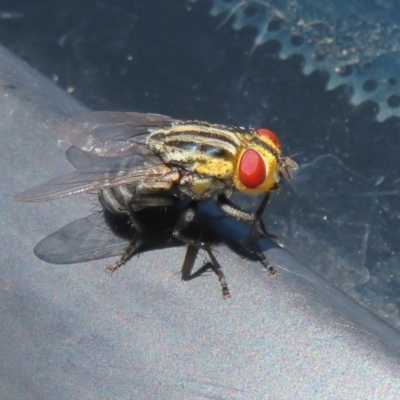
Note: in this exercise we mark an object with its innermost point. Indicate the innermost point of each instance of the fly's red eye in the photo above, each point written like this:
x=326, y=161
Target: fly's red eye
x=251, y=169
x=271, y=135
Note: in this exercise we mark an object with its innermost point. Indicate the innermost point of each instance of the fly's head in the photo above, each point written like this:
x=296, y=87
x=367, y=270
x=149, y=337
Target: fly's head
x=259, y=165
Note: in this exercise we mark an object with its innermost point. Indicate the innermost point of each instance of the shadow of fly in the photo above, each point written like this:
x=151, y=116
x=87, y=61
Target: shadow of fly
x=138, y=163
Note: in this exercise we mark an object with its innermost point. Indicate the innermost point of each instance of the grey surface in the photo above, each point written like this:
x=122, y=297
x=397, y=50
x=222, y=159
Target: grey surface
x=71, y=332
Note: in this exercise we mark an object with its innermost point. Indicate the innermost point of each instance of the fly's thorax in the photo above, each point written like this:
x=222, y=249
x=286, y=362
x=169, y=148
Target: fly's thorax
x=202, y=187
x=198, y=147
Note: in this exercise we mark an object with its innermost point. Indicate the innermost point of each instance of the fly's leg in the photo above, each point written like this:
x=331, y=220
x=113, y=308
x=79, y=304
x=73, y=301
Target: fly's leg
x=234, y=211
x=133, y=218
x=264, y=261
x=188, y=264
x=184, y=220
x=231, y=209
x=107, y=198
x=130, y=251
x=258, y=221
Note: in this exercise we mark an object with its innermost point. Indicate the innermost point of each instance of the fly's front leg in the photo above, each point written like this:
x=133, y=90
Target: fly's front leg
x=264, y=261
x=255, y=218
x=234, y=211
x=259, y=221
x=184, y=220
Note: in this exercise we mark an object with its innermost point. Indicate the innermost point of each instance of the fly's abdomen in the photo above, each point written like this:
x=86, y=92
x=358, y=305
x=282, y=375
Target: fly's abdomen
x=125, y=198
x=116, y=199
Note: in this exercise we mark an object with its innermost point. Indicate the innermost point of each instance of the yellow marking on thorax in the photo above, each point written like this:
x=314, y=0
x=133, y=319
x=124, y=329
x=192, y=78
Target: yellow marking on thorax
x=221, y=169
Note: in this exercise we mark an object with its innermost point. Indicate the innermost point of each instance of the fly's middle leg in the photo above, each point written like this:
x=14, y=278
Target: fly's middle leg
x=184, y=220
x=188, y=264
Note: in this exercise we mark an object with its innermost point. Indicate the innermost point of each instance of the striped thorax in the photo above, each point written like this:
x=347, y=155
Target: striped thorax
x=221, y=157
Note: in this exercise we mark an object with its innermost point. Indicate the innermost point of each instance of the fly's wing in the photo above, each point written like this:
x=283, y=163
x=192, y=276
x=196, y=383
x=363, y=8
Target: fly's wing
x=110, y=172
x=113, y=153
x=105, y=234
x=83, y=240
x=81, y=159
x=110, y=134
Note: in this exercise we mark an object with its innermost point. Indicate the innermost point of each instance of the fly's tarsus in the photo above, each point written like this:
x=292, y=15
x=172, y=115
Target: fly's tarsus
x=267, y=265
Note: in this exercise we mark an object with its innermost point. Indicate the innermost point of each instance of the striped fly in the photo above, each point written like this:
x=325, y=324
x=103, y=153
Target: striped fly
x=138, y=161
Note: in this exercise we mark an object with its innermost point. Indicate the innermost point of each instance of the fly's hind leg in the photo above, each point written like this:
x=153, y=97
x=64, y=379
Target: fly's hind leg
x=132, y=249
x=193, y=246
x=136, y=242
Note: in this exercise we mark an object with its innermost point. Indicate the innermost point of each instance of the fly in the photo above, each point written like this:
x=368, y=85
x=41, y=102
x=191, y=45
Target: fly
x=137, y=161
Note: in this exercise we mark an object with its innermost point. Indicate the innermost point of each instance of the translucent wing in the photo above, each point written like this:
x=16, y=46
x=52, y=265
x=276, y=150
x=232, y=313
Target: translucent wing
x=81, y=159
x=110, y=172
x=85, y=239
x=107, y=133
x=104, y=234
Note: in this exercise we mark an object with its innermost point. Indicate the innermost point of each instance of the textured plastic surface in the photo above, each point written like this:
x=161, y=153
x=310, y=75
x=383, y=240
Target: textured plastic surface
x=355, y=41
x=75, y=332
